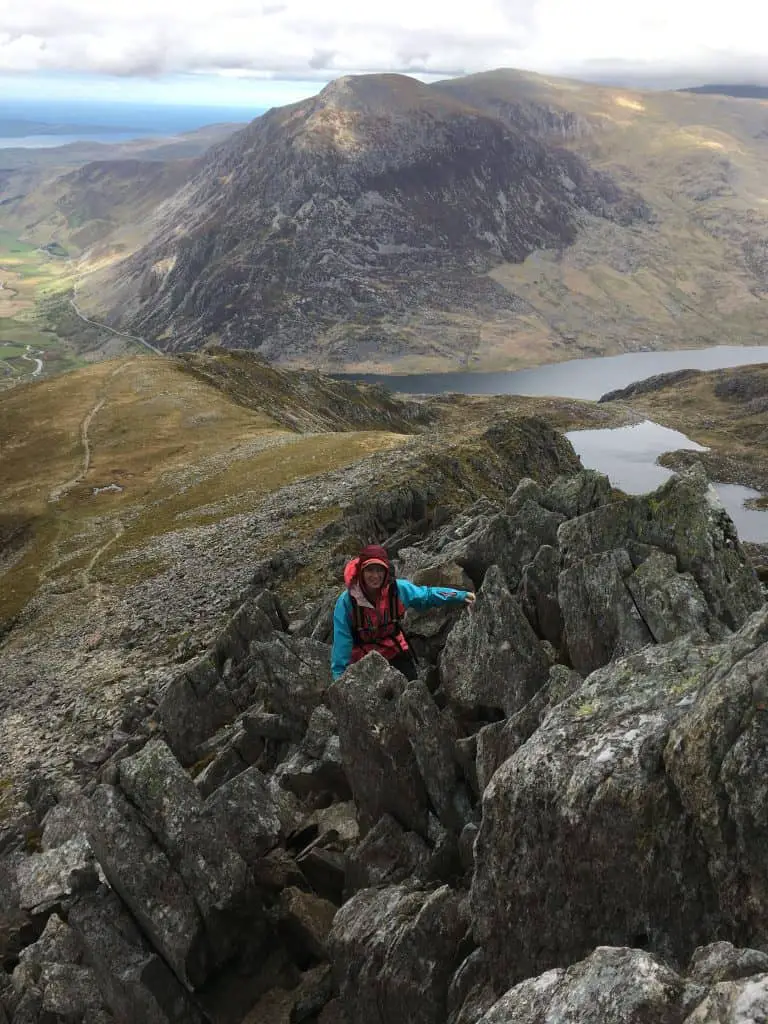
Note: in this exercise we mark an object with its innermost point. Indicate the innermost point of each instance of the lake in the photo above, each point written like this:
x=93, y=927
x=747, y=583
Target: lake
x=627, y=455
x=577, y=378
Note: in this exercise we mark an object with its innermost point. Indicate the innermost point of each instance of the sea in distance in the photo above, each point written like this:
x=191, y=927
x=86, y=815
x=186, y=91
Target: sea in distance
x=35, y=124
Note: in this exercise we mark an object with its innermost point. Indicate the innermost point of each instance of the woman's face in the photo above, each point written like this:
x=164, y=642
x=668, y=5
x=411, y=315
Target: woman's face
x=373, y=577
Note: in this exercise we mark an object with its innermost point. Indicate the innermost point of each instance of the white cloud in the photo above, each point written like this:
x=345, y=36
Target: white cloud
x=304, y=39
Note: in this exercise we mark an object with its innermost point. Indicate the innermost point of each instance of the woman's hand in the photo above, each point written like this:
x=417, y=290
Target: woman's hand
x=469, y=598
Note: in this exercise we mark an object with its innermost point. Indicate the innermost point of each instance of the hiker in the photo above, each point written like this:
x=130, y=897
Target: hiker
x=368, y=614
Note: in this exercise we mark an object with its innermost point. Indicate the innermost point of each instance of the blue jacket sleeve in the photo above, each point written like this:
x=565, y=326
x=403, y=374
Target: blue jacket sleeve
x=341, y=651
x=414, y=596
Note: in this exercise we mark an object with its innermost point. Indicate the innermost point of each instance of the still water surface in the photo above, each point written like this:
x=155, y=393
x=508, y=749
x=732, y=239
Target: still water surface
x=578, y=378
x=627, y=455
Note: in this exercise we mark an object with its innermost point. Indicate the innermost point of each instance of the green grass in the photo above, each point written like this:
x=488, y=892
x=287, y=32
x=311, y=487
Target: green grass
x=9, y=243
x=36, y=288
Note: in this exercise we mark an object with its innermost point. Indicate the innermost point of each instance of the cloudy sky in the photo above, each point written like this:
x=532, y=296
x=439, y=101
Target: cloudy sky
x=232, y=51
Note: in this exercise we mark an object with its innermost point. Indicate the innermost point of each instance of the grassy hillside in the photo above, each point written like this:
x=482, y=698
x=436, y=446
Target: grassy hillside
x=696, y=273
x=170, y=452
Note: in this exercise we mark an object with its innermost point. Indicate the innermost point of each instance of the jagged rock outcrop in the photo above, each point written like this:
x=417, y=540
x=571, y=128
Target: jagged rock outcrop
x=545, y=825
x=630, y=802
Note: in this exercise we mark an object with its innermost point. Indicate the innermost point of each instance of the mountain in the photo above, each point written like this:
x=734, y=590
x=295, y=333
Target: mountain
x=356, y=227
x=491, y=221
x=77, y=194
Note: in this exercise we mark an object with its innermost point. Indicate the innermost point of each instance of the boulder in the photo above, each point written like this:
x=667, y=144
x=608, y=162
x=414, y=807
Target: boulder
x=51, y=878
x=209, y=693
x=734, y=1002
x=470, y=993
x=500, y=740
x=306, y=920
x=538, y=595
x=315, y=768
x=427, y=629
x=574, y=496
x=289, y=677
x=432, y=744
x=717, y=759
x=671, y=603
x=601, y=619
x=209, y=866
x=387, y=855
x=141, y=873
x=612, y=986
x=653, y=770
x=492, y=658
x=394, y=952
x=527, y=490
x=375, y=749
x=245, y=811
x=135, y=982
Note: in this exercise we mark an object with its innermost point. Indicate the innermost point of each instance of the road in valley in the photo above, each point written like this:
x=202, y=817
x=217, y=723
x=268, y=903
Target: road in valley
x=120, y=334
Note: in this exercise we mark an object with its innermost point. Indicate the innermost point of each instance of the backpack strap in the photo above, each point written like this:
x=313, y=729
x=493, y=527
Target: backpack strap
x=357, y=621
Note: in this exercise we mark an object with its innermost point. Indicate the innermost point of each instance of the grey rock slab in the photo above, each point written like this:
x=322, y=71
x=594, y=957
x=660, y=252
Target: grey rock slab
x=394, y=952
x=538, y=594
x=195, y=705
x=58, y=943
x=527, y=490
x=375, y=749
x=722, y=961
x=245, y=811
x=214, y=873
x=588, y=787
x=55, y=875
x=734, y=1002
x=654, y=769
x=307, y=920
x=492, y=657
x=500, y=740
x=287, y=676
x=717, y=757
x=69, y=992
x=135, y=982
x=387, y=855
x=209, y=693
x=671, y=603
x=600, y=616
x=432, y=745
x=574, y=496
x=139, y=870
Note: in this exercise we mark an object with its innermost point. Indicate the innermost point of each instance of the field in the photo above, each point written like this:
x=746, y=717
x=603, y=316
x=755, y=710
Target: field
x=32, y=280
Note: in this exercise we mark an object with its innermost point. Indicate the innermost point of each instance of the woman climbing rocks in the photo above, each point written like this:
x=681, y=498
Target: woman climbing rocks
x=368, y=614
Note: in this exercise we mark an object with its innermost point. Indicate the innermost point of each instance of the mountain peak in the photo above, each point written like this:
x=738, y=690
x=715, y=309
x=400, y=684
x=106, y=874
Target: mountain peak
x=388, y=95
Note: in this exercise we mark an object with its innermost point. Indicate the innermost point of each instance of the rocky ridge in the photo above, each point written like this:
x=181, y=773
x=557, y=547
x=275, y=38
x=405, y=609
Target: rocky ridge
x=561, y=819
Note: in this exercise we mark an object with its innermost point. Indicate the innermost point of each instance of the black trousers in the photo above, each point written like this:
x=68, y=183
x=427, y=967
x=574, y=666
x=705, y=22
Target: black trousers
x=405, y=663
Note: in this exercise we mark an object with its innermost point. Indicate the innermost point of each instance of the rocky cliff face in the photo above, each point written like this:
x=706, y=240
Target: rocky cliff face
x=562, y=818
x=317, y=233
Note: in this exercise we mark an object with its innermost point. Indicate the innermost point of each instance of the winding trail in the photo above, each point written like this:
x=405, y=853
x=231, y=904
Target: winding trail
x=58, y=492
x=112, y=330
x=33, y=359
